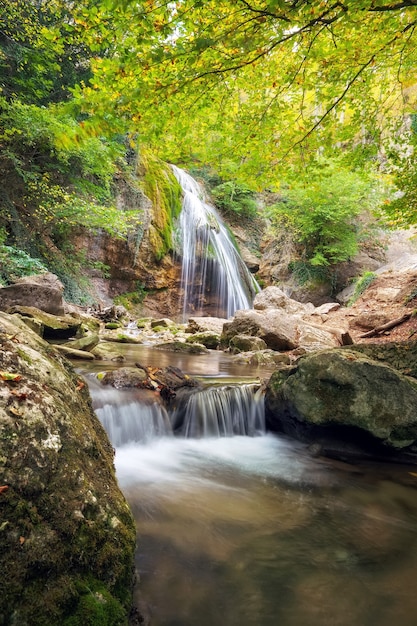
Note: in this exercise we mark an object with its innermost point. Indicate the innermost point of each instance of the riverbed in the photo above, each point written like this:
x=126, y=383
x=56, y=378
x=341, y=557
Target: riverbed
x=255, y=531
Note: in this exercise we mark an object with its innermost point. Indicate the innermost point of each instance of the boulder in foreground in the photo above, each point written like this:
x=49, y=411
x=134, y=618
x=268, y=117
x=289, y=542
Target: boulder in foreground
x=67, y=536
x=347, y=402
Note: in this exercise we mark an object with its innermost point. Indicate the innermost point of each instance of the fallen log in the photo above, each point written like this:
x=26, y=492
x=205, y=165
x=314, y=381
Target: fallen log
x=387, y=326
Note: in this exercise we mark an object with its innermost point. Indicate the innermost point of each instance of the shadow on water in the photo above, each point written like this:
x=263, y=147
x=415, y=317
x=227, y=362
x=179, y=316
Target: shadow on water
x=254, y=531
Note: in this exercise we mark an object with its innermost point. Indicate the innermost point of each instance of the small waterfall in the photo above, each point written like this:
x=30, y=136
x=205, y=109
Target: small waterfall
x=214, y=278
x=224, y=412
x=133, y=422
x=213, y=412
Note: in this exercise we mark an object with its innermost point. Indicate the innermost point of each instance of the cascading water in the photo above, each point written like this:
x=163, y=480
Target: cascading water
x=213, y=412
x=225, y=411
x=214, y=277
x=254, y=530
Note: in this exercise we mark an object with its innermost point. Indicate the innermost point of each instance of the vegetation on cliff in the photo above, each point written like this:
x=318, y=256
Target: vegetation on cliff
x=258, y=93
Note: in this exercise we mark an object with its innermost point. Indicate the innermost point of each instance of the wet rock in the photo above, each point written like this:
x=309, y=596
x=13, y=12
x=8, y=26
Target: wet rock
x=54, y=326
x=208, y=339
x=67, y=536
x=346, y=398
x=125, y=377
x=266, y=358
x=72, y=353
x=185, y=348
x=87, y=343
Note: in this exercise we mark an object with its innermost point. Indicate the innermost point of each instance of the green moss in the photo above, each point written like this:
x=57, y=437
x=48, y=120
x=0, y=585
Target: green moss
x=164, y=191
x=96, y=607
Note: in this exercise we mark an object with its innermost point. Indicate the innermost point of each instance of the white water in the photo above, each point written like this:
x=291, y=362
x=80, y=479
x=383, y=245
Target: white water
x=252, y=530
x=212, y=269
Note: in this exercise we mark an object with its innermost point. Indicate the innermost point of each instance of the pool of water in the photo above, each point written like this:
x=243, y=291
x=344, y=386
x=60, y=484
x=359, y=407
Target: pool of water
x=254, y=531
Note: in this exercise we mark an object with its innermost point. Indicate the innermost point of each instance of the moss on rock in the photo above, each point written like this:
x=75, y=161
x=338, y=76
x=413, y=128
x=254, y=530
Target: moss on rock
x=164, y=191
x=67, y=535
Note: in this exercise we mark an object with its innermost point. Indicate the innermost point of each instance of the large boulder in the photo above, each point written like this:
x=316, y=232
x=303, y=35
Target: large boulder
x=50, y=326
x=274, y=298
x=67, y=536
x=43, y=291
x=275, y=327
x=345, y=400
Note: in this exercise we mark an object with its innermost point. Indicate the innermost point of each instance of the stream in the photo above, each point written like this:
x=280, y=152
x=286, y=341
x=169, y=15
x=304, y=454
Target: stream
x=252, y=530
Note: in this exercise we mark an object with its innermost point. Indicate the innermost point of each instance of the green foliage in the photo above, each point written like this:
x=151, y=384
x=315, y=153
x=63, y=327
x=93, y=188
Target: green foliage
x=130, y=299
x=323, y=214
x=400, y=209
x=235, y=198
x=361, y=285
x=15, y=263
x=164, y=191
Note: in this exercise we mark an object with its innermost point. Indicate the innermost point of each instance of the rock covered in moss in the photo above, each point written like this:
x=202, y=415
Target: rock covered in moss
x=53, y=326
x=345, y=396
x=67, y=536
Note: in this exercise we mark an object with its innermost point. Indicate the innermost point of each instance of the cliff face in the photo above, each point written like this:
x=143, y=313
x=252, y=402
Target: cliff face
x=67, y=536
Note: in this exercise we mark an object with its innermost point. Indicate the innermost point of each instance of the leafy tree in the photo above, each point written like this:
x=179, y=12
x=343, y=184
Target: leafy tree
x=57, y=179
x=235, y=199
x=261, y=85
x=323, y=215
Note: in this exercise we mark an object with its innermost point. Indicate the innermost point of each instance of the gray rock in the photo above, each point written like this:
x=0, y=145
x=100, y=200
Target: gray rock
x=63, y=516
x=42, y=297
x=202, y=324
x=246, y=343
x=343, y=394
x=275, y=298
x=275, y=327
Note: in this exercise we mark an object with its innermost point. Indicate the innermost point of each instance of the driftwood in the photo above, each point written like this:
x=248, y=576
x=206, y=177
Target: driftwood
x=387, y=326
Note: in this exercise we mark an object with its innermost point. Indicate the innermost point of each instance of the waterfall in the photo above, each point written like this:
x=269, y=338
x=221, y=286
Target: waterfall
x=134, y=422
x=213, y=412
x=224, y=412
x=214, y=278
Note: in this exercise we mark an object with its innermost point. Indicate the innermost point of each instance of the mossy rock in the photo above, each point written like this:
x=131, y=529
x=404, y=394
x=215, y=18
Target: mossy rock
x=208, y=339
x=343, y=394
x=67, y=537
x=185, y=348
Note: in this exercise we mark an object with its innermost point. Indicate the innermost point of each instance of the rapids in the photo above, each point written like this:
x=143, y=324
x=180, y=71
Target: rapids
x=252, y=530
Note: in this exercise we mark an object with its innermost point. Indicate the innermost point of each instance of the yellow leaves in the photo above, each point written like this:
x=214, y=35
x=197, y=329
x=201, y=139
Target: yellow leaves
x=10, y=377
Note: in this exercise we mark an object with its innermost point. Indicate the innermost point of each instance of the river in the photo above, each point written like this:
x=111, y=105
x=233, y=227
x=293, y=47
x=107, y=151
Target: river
x=254, y=531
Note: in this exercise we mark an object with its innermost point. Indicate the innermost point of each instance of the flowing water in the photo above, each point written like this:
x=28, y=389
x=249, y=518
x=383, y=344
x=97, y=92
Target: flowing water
x=214, y=278
x=251, y=530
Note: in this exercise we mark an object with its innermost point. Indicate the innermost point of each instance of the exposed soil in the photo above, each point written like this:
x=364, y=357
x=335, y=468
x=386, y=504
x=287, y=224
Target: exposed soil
x=391, y=295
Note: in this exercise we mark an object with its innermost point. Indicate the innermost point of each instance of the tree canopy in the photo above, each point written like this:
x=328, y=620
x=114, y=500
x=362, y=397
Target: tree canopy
x=255, y=86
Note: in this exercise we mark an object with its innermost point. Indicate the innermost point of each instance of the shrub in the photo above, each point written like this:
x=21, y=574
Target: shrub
x=235, y=198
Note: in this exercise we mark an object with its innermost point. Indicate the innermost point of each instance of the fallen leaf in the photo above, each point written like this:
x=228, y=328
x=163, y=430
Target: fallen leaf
x=19, y=395
x=15, y=412
x=9, y=376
